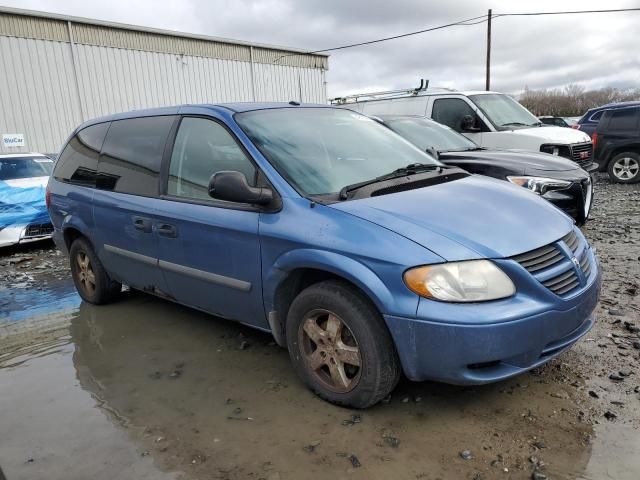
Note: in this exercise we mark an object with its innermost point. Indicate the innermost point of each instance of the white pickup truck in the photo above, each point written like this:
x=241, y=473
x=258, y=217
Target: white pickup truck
x=490, y=119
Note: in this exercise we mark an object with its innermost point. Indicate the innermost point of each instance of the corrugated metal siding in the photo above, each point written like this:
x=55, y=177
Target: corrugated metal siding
x=39, y=97
x=37, y=93
x=106, y=36
x=33, y=27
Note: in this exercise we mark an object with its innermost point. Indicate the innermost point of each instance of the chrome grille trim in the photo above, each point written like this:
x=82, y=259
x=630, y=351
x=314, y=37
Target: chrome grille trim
x=585, y=265
x=550, y=259
x=571, y=239
x=578, y=149
x=540, y=258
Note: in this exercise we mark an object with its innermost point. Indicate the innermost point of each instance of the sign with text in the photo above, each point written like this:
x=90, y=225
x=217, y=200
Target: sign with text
x=10, y=140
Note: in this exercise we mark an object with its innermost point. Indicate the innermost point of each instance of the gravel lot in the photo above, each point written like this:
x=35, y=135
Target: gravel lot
x=147, y=389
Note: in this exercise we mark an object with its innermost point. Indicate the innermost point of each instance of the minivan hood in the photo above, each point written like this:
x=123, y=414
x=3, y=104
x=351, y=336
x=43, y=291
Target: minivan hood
x=515, y=160
x=474, y=217
x=553, y=135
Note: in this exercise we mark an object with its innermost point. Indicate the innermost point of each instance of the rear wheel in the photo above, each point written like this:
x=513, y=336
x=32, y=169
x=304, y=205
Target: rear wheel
x=340, y=346
x=625, y=167
x=91, y=279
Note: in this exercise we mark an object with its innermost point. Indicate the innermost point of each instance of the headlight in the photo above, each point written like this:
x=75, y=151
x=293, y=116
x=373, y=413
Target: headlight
x=540, y=185
x=470, y=281
x=552, y=149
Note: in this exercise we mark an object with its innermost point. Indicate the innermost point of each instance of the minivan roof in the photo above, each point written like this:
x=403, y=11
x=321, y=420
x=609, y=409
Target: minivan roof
x=219, y=107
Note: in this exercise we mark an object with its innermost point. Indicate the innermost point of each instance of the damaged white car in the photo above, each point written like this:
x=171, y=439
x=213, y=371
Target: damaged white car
x=23, y=211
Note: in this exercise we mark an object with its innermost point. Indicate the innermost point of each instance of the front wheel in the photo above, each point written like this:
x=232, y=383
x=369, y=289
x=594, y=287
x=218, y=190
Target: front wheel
x=340, y=346
x=625, y=168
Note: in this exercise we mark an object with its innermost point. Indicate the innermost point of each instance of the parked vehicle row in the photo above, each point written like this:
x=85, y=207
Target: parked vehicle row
x=489, y=119
x=362, y=254
x=567, y=122
x=556, y=179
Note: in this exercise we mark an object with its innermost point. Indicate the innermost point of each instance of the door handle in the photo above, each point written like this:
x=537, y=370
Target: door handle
x=142, y=224
x=167, y=230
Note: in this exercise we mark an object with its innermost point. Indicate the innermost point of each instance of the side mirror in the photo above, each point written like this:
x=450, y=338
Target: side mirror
x=232, y=186
x=468, y=124
x=433, y=152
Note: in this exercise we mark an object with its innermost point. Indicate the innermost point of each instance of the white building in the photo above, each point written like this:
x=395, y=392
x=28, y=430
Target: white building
x=57, y=71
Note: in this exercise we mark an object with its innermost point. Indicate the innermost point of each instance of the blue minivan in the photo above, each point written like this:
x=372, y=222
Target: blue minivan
x=361, y=254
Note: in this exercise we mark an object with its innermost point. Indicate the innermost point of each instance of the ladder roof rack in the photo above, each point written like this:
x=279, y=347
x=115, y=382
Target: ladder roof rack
x=406, y=92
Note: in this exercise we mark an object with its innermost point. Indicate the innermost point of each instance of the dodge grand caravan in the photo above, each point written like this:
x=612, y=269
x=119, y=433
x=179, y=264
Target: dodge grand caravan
x=363, y=255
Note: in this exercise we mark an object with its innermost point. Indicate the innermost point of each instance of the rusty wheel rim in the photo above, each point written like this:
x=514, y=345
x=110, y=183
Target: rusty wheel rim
x=330, y=351
x=86, y=275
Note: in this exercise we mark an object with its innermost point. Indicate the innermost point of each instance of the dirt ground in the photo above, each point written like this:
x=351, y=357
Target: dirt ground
x=147, y=389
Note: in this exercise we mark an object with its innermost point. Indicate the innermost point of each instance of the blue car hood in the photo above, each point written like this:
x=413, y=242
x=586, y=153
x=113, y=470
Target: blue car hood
x=473, y=217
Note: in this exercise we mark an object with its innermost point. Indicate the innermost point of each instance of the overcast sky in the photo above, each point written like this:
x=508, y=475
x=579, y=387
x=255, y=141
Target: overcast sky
x=594, y=50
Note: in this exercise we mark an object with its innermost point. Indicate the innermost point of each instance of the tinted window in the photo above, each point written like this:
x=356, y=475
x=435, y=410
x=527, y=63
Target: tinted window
x=596, y=116
x=451, y=111
x=202, y=148
x=24, y=167
x=78, y=162
x=426, y=134
x=623, y=119
x=132, y=154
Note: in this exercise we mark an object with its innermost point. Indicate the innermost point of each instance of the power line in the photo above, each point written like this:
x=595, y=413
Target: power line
x=531, y=14
x=385, y=39
x=467, y=22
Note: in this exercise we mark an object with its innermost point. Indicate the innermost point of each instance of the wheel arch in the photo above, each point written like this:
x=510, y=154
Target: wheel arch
x=299, y=269
x=73, y=229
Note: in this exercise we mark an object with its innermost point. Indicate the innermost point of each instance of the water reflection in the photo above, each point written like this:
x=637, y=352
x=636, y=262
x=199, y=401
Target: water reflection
x=197, y=401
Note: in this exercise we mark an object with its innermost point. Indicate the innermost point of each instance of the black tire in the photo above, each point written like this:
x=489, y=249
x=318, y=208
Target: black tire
x=624, y=168
x=104, y=289
x=379, y=369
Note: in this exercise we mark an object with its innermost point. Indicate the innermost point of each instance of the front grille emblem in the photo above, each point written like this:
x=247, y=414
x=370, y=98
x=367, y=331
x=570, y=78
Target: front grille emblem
x=575, y=262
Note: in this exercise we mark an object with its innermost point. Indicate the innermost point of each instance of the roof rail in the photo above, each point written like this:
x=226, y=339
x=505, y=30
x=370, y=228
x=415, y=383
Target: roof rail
x=410, y=92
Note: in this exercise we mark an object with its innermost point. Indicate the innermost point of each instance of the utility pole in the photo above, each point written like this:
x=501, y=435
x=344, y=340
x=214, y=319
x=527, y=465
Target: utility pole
x=488, y=79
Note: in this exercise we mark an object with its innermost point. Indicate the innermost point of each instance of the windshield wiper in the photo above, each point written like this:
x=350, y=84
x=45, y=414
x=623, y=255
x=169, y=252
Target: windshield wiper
x=410, y=169
x=515, y=124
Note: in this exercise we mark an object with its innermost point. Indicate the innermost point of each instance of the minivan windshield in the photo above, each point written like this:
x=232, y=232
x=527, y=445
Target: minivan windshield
x=504, y=112
x=15, y=168
x=322, y=150
x=426, y=134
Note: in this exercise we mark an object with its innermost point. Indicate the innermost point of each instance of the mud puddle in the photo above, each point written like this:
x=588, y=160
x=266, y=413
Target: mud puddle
x=213, y=399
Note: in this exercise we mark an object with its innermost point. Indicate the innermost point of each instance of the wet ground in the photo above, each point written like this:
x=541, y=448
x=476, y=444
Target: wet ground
x=147, y=389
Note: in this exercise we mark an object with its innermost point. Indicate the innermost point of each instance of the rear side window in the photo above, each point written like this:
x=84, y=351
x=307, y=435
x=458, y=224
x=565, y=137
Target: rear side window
x=78, y=162
x=596, y=116
x=623, y=119
x=202, y=148
x=132, y=154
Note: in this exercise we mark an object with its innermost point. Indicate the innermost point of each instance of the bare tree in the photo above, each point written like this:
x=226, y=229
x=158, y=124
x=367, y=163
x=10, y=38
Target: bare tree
x=573, y=100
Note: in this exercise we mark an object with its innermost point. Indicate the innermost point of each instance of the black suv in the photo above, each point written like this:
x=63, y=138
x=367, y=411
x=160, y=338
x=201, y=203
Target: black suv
x=589, y=121
x=616, y=144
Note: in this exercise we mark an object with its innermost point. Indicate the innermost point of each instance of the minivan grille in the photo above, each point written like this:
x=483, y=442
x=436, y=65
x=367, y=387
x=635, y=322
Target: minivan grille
x=556, y=270
x=582, y=153
x=540, y=258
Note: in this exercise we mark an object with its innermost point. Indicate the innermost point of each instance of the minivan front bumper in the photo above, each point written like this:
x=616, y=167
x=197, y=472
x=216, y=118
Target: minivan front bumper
x=468, y=353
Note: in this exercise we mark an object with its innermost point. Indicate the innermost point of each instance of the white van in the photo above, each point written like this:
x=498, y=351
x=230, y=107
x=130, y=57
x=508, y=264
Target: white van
x=490, y=119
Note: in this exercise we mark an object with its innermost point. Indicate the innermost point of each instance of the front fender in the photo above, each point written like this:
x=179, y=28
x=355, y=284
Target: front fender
x=349, y=269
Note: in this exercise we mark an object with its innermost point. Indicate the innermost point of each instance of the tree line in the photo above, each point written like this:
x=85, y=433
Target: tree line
x=573, y=100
